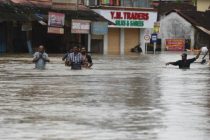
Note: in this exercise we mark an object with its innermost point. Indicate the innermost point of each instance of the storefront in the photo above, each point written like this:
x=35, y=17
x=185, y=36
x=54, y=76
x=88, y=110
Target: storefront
x=129, y=29
x=58, y=37
x=2, y=37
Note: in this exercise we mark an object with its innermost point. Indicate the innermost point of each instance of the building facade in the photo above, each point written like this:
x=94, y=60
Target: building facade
x=130, y=27
x=24, y=25
x=128, y=23
x=180, y=27
x=133, y=19
x=203, y=5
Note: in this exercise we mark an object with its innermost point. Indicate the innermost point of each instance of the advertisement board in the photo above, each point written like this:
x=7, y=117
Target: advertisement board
x=56, y=19
x=26, y=27
x=54, y=30
x=99, y=28
x=56, y=23
x=129, y=19
x=175, y=44
x=80, y=26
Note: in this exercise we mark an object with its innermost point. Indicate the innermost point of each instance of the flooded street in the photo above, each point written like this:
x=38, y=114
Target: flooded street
x=121, y=98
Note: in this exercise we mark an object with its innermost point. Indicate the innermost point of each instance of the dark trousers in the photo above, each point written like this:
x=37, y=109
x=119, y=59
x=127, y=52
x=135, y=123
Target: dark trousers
x=76, y=66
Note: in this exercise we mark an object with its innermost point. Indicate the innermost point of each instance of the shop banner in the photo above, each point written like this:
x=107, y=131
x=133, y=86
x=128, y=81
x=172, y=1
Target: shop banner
x=56, y=19
x=99, y=28
x=56, y=23
x=55, y=30
x=129, y=19
x=175, y=44
x=26, y=27
x=80, y=26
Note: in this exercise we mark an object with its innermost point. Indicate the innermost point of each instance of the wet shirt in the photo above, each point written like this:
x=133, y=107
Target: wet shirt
x=184, y=64
x=40, y=63
x=75, y=58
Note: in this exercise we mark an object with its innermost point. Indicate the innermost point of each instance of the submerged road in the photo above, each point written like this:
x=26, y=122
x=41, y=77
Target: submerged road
x=121, y=98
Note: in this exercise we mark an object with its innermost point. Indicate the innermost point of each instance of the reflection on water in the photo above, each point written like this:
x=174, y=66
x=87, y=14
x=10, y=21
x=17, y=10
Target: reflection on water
x=121, y=98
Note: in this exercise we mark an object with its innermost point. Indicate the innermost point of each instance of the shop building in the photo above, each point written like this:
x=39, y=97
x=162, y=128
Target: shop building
x=28, y=27
x=131, y=26
x=24, y=25
x=176, y=27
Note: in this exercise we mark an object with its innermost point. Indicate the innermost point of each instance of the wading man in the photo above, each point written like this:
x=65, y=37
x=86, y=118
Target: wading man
x=87, y=60
x=75, y=59
x=40, y=58
x=184, y=63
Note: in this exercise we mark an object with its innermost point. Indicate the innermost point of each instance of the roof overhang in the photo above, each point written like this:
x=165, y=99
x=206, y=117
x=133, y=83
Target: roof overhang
x=123, y=8
x=203, y=30
x=26, y=10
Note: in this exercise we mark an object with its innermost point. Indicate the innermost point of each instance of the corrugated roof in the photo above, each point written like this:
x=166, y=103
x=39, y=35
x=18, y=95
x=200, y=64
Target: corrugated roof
x=166, y=7
x=39, y=3
x=25, y=10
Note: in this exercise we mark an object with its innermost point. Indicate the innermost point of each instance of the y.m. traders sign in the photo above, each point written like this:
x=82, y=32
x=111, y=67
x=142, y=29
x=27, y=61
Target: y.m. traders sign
x=129, y=19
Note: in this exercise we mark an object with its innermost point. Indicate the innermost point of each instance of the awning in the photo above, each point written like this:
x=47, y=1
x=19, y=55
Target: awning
x=204, y=30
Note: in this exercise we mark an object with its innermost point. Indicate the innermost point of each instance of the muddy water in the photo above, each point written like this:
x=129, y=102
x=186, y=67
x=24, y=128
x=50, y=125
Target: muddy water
x=121, y=98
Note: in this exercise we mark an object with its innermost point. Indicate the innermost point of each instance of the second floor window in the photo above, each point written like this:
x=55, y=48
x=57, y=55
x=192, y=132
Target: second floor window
x=126, y=3
x=110, y=2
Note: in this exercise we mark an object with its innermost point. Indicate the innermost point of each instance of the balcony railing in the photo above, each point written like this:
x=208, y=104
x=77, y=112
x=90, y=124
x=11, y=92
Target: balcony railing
x=124, y=3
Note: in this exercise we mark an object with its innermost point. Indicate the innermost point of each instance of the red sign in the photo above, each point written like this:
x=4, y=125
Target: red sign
x=129, y=15
x=56, y=19
x=175, y=44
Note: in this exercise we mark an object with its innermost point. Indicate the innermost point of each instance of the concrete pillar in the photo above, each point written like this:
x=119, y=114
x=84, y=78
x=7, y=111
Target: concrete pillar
x=89, y=42
x=192, y=39
x=122, y=41
x=105, y=44
x=141, y=39
x=10, y=37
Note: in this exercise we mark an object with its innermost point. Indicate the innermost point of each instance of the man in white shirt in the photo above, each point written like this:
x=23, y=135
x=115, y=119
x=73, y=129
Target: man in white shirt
x=40, y=58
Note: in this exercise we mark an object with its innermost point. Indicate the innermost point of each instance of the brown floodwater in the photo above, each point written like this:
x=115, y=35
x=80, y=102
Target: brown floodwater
x=121, y=98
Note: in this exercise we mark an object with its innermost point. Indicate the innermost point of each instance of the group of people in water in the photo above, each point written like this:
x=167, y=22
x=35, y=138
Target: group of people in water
x=78, y=58
x=75, y=58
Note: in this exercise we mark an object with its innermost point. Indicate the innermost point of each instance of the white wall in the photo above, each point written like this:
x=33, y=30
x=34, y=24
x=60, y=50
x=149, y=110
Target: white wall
x=203, y=5
x=173, y=26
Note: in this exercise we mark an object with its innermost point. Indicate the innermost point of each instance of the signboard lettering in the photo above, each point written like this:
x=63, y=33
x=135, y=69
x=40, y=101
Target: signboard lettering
x=175, y=44
x=129, y=19
x=80, y=26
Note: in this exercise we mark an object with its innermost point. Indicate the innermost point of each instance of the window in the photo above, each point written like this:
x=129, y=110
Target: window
x=126, y=3
x=110, y=2
x=136, y=3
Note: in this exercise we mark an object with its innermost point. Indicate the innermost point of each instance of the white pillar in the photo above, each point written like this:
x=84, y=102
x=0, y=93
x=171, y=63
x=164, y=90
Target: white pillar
x=141, y=39
x=192, y=38
x=89, y=42
x=122, y=41
x=105, y=46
